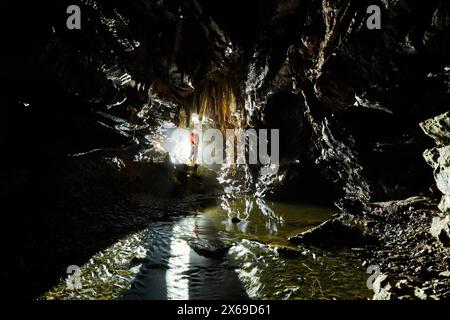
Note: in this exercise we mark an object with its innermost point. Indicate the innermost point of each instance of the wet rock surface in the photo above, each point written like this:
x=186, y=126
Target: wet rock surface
x=287, y=251
x=395, y=237
x=209, y=248
x=438, y=158
x=440, y=230
x=78, y=169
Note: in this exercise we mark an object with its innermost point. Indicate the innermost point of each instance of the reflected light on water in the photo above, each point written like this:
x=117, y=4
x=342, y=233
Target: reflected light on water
x=178, y=266
x=245, y=206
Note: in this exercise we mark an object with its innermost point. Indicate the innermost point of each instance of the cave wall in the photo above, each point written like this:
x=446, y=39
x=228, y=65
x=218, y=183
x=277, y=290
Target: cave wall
x=362, y=92
x=348, y=99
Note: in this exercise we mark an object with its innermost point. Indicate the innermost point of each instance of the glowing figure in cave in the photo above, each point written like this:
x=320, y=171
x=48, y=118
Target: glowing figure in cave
x=194, y=141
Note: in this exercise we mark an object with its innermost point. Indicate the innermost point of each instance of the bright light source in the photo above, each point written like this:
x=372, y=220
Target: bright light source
x=195, y=118
x=180, y=147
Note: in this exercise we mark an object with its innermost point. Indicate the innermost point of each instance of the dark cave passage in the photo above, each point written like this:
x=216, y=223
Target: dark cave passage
x=169, y=144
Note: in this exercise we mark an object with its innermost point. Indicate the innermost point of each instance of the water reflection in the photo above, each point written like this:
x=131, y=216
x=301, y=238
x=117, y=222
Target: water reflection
x=253, y=266
x=257, y=213
x=174, y=271
x=177, y=266
x=243, y=207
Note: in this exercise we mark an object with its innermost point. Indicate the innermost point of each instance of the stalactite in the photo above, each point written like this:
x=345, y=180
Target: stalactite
x=217, y=101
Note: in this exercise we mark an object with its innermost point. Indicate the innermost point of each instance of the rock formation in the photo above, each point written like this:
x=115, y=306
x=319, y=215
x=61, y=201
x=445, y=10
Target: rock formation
x=438, y=158
x=79, y=105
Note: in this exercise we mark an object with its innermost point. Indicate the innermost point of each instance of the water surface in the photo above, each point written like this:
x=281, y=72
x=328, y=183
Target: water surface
x=260, y=262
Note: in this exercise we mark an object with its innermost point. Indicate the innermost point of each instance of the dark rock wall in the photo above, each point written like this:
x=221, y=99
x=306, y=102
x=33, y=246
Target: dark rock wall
x=364, y=91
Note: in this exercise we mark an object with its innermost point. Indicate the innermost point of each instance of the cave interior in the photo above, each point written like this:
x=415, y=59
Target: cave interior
x=363, y=120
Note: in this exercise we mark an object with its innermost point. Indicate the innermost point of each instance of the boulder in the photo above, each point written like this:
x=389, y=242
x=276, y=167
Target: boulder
x=286, y=251
x=440, y=229
x=438, y=158
x=333, y=233
x=438, y=128
x=383, y=288
x=214, y=249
